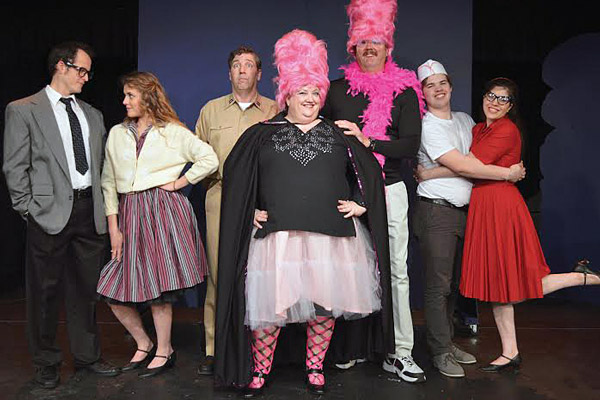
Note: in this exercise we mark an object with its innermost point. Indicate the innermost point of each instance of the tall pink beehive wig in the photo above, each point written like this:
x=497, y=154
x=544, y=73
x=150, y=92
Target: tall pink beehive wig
x=371, y=19
x=301, y=60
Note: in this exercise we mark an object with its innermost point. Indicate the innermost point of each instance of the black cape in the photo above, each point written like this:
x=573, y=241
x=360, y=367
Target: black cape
x=371, y=336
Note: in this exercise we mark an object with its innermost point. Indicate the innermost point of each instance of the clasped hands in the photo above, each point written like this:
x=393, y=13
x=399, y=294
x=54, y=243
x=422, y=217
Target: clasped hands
x=517, y=172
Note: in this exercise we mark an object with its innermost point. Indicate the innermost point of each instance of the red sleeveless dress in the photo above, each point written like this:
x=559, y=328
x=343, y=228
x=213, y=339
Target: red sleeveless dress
x=502, y=258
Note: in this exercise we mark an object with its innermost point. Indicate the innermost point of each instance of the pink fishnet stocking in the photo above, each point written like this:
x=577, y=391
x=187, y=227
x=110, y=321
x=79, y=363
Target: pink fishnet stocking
x=318, y=332
x=263, y=347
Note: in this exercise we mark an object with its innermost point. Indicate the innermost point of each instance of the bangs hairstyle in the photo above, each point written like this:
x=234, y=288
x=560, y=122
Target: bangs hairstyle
x=447, y=80
x=154, y=98
x=513, y=92
x=301, y=60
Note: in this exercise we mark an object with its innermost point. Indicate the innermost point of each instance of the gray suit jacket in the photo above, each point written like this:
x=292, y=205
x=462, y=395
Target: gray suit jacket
x=35, y=164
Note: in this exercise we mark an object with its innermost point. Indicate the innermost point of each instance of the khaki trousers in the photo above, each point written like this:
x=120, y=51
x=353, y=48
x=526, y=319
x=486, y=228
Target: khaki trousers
x=397, y=213
x=213, y=216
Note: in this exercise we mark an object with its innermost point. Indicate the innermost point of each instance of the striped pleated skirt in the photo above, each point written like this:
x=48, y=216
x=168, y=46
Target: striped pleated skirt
x=162, y=249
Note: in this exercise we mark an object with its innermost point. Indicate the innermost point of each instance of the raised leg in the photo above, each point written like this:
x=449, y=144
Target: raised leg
x=554, y=282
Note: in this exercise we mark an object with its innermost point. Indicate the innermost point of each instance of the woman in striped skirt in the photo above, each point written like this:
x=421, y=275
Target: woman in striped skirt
x=155, y=244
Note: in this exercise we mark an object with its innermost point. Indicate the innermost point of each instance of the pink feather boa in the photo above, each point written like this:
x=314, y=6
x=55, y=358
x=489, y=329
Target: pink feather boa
x=381, y=89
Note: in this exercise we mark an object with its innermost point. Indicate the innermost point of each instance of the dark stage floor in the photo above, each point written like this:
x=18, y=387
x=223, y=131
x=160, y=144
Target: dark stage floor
x=560, y=344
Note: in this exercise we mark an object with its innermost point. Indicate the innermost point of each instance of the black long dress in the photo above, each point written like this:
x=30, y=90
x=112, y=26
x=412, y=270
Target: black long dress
x=233, y=358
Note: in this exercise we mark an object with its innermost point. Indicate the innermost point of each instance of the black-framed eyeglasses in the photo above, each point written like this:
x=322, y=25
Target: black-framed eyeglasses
x=502, y=100
x=80, y=70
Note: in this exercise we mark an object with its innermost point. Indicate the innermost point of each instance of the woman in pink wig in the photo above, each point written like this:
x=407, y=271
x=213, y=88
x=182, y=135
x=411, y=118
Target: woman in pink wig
x=296, y=250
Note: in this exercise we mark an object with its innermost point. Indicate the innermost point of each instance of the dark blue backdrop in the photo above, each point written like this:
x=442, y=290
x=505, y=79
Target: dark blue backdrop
x=186, y=43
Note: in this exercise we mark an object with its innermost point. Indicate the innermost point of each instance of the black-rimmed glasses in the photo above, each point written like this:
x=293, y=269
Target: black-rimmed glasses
x=82, y=72
x=502, y=100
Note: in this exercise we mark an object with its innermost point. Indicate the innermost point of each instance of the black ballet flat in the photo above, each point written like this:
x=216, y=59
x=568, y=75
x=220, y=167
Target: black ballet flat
x=137, y=364
x=248, y=392
x=314, y=389
x=513, y=363
x=582, y=267
x=170, y=363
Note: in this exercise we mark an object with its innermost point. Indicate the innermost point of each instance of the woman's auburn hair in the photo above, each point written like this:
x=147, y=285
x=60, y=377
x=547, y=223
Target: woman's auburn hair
x=154, y=100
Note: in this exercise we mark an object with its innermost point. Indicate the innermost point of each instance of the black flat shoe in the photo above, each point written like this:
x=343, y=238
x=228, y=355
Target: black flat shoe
x=47, y=376
x=148, y=372
x=206, y=367
x=137, y=364
x=248, y=392
x=314, y=389
x=513, y=363
x=100, y=367
x=582, y=267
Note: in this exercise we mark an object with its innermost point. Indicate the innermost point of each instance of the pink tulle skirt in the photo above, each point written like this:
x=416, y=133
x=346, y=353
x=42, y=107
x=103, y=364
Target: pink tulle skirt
x=294, y=276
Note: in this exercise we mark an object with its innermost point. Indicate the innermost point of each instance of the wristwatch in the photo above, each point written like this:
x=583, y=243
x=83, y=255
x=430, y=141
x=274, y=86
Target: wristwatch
x=371, y=145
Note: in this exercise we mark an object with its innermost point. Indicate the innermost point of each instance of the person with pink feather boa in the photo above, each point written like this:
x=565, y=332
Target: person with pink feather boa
x=381, y=105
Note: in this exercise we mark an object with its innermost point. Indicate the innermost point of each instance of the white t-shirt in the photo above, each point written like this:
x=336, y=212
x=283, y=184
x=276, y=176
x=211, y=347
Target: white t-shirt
x=439, y=136
x=243, y=106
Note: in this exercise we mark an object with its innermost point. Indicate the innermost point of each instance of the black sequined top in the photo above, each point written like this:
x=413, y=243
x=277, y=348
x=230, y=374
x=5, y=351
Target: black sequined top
x=301, y=177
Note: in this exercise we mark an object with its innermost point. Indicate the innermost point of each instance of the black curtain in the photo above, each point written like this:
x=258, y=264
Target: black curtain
x=28, y=31
x=511, y=38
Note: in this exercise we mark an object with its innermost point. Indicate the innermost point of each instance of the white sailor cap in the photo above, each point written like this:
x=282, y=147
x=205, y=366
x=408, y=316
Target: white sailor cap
x=428, y=68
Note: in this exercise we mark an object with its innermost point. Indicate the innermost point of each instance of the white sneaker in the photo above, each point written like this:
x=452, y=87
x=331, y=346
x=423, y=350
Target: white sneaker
x=405, y=367
x=350, y=363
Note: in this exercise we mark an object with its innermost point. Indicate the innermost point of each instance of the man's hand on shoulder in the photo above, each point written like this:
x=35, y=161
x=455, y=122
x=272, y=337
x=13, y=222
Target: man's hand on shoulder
x=351, y=129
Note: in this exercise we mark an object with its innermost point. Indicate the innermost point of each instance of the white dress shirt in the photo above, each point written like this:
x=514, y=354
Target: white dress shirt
x=62, y=119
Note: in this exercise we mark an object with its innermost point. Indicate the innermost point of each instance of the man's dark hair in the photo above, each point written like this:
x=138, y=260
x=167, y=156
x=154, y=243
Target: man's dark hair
x=66, y=51
x=447, y=79
x=244, y=50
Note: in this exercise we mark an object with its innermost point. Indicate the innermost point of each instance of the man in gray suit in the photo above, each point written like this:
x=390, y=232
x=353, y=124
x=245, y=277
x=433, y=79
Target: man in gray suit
x=53, y=153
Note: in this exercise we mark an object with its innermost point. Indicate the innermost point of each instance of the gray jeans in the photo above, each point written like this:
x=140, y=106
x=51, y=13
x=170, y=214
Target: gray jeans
x=440, y=231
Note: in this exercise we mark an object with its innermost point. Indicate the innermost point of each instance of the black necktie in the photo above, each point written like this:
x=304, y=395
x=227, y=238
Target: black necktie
x=81, y=164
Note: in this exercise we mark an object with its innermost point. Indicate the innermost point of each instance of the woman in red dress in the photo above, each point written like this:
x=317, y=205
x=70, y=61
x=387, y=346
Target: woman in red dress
x=503, y=262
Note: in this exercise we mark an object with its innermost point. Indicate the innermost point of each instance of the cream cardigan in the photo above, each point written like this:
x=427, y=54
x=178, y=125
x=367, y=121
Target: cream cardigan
x=162, y=158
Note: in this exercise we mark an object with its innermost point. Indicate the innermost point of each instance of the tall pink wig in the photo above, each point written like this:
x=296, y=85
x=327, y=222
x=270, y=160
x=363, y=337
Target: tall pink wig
x=301, y=60
x=370, y=19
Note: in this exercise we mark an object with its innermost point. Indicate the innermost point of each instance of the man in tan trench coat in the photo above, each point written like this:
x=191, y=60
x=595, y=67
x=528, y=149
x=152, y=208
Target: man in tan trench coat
x=221, y=122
